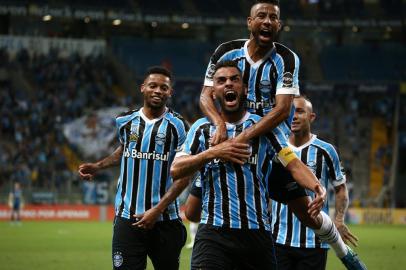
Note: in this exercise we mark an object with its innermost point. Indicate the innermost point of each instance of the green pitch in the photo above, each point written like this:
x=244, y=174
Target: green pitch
x=87, y=245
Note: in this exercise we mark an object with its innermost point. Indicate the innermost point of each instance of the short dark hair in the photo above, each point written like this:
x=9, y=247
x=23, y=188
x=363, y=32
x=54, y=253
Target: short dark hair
x=227, y=63
x=158, y=70
x=273, y=2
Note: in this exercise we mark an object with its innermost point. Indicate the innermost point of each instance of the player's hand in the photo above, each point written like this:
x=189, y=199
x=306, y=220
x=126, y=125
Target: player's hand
x=88, y=170
x=232, y=152
x=220, y=135
x=317, y=204
x=148, y=219
x=346, y=234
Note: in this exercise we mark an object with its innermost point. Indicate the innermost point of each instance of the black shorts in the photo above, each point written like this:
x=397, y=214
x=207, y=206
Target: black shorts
x=281, y=185
x=226, y=249
x=162, y=244
x=292, y=258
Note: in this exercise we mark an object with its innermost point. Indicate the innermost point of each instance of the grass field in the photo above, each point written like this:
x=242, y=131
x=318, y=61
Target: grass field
x=87, y=245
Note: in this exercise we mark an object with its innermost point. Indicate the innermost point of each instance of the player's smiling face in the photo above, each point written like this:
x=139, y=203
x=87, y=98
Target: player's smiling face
x=229, y=89
x=264, y=24
x=156, y=89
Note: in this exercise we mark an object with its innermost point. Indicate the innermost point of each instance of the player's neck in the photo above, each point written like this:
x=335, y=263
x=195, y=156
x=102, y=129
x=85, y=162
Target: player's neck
x=153, y=113
x=233, y=117
x=300, y=138
x=256, y=52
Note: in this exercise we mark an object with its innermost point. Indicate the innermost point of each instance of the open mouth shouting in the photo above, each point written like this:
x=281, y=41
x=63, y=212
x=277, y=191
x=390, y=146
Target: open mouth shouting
x=230, y=98
x=265, y=35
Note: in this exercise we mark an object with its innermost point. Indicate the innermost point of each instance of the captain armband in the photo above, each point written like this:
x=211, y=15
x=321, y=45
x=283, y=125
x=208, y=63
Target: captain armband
x=286, y=155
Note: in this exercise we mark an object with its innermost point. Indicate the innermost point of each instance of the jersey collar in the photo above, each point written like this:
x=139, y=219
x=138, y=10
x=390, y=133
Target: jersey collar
x=299, y=148
x=242, y=120
x=151, y=121
x=260, y=61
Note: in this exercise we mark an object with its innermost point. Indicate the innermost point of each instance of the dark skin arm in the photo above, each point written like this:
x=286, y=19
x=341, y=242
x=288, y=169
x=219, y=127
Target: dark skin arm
x=148, y=219
x=341, y=207
x=88, y=170
x=193, y=208
x=209, y=109
x=278, y=114
x=271, y=120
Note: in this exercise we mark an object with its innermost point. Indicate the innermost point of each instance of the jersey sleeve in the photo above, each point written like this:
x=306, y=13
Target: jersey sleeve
x=220, y=54
x=335, y=168
x=191, y=145
x=121, y=126
x=182, y=134
x=288, y=74
x=278, y=139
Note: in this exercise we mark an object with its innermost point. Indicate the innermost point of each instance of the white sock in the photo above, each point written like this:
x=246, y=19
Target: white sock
x=328, y=233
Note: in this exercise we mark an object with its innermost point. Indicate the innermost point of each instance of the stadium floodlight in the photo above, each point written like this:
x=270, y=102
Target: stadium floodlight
x=47, y=18
x=116, y=22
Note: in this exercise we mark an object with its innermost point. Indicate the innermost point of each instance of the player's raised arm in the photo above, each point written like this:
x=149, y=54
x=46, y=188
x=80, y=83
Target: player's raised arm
x=88, y=170
x=271, y=120
x=209, y=109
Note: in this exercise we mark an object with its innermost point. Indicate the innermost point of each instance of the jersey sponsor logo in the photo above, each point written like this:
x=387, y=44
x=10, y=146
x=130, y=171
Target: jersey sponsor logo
x=287, y=79
x=145, y=155
x=118, y=259
x=256, y=105
x=160, y=139
x=253, y=159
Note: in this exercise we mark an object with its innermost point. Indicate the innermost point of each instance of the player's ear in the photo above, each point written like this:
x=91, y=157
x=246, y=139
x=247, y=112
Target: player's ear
x=280, y=24
x=312, y=117
x=249, y=21
x=142, y=88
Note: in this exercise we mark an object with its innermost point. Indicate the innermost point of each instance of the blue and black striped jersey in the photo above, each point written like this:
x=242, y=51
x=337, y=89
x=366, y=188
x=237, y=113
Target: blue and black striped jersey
x=149, y=149
x=276, y=73
x=235, y=196
x=322, y=159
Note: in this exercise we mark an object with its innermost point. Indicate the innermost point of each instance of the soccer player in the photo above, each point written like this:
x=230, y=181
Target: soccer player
x=147, y=221
x=235, y=226
x=15, y=202
x=271, y=72
x=297, y=247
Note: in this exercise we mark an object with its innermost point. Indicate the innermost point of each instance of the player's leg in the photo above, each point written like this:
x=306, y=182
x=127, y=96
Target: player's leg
x=192, y=232
x=129, y=246
x=211, y=250
x=310, y=258
x=165, y=242
x=284, y=189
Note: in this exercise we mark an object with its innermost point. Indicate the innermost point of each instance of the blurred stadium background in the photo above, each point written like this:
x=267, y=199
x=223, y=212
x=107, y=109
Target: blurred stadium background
x=68, y=67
